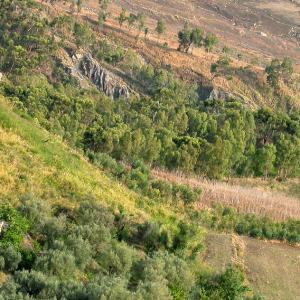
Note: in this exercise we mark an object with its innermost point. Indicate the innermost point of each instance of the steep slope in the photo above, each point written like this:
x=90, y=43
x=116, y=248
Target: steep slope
x=34, y=162
x=253, y=34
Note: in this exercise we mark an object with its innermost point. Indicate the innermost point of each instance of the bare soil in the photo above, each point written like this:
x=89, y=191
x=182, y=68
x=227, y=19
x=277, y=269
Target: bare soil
x=272, y=269
x=259, y=26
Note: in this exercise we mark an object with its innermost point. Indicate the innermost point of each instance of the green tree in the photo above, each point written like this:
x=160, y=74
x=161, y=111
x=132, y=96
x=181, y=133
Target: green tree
x=131, y=20
x=84, y=36
x=232, y=284
x=103, y=13
x=122, y=17
x=265, y=160
x=184, y=38
x=279, y=70
x=210, y=41
x=215, y=159
x=160, y=27
x=287, y=156
x=190, y=37
x=197, y=37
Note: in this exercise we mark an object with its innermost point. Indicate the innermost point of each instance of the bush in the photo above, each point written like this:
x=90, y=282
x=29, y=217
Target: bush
x=12, y=258
x=108, y=163
x=17, y=227
x=151, y=236
x=112, y=54
x=222, y=218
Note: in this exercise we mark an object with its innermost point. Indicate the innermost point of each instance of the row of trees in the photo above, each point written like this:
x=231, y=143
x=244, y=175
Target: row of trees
x=195, y=37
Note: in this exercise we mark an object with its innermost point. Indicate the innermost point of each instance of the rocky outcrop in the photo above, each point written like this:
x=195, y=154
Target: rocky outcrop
x=105, y=81
x=218, y=94
x=88, y=70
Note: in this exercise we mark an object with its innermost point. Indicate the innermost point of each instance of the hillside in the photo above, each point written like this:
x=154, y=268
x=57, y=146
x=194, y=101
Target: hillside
x=149, y=150
x=59, y=176
x=33, y=162
x=248, y=29
x=251, y=26
x=36, y=164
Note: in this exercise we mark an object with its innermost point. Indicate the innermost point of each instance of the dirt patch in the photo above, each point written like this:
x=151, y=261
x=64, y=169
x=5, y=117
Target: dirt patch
x=260, y=26
x=272, y=269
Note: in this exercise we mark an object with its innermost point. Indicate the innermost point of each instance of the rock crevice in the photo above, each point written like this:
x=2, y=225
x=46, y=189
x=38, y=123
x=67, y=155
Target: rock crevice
x=102, y=78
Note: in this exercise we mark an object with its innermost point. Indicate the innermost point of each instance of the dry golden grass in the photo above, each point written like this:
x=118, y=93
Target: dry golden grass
x=254, y=200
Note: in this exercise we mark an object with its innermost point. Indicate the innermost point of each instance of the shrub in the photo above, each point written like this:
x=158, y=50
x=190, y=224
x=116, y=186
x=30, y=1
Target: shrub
x=17, y=227
x=110, y=53
x=11, y=257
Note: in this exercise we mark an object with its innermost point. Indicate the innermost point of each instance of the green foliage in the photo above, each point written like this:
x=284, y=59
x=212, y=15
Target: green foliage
x=160, y=27
x=230, y=286
x=83, y=34
x=265, y=159
x=227, y=219
x=190, y=36
x=222, y=67
x=210, y=42
x=131, y=20
x=17, y=226
x=93, y=252
x=111, y=53
x=85, y=260
x=137, y=177
x=11, y=257
x=25, y=41
x=173, y=131
x=122, y=17
x=279, y=70
x=196, y=37
x=103, y=13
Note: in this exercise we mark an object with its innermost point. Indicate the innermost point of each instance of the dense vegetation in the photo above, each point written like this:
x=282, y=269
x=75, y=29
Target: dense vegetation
x=170, y=128
x=138, y=178
x=228, y=220
x=91, y=251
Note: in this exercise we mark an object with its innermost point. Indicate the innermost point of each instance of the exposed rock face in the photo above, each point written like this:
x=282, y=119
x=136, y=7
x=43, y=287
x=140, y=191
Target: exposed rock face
x=87, y=70
x=218, y=94
x=102, y=78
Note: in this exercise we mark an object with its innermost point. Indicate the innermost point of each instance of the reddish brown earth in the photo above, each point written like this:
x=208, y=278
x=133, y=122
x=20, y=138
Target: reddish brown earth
x=258, y=30
x=260, y=27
